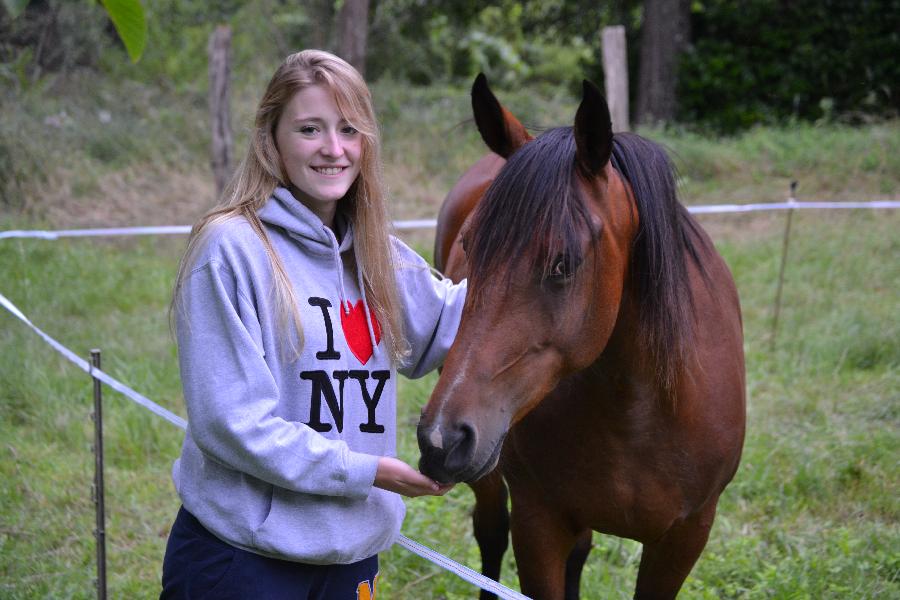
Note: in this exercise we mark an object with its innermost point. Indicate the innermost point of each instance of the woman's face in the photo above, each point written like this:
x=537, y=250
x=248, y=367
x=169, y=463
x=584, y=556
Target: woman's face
x=321, y=151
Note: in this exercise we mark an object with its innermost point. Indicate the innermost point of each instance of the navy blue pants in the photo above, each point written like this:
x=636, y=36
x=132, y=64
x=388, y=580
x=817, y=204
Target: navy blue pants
x=200, y=566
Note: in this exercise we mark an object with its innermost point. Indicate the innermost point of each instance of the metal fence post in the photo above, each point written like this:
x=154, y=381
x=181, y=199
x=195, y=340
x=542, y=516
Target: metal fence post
x=100, y=531
x=784, y=252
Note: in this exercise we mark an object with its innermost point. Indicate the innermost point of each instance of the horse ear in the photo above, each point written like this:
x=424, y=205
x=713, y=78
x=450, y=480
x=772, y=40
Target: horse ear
x=593, y=131
x=499, y=129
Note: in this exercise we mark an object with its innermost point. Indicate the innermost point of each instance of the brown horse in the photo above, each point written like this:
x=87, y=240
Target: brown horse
x=598, y=371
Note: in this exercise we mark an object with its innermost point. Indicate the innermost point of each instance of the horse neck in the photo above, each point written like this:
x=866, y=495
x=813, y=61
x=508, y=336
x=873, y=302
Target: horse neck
x=625, y=362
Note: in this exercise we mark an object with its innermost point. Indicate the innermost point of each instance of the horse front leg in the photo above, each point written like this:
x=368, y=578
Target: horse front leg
x=666, y=563
x=542, y=543
x=490, y=522
x=575, y=564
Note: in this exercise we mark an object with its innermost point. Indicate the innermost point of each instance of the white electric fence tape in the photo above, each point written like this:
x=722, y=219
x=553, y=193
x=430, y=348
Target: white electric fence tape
x=461, y=571
x=738, y=208
x=53, y=235
x=431, y=223
x=161, y=230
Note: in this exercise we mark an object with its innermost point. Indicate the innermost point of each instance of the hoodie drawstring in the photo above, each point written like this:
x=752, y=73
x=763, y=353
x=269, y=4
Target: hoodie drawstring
x=345, y=305
x=362, y=289
x=336, y=254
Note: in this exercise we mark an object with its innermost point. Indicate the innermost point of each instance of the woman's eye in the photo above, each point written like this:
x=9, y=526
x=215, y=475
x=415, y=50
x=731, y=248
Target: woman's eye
x=308, y=130
x=348, y=130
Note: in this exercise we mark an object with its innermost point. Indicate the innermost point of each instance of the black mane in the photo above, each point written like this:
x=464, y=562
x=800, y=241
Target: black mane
x=533, y=196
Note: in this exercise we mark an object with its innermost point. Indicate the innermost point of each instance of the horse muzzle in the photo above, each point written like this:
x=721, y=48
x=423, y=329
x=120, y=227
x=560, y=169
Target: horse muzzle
x=453, y=453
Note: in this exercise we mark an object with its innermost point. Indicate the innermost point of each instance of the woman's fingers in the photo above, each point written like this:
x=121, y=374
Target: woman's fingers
x=397, y=476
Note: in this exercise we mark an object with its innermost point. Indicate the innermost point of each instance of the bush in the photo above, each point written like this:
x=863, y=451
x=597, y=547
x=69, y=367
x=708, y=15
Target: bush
x=513, y=43
x=768, y=61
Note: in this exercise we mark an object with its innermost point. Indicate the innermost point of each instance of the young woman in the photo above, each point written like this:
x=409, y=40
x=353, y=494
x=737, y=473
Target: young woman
x=294, y=310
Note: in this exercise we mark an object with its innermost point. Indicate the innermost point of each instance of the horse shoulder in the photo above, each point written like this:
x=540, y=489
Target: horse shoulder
x=459, y=204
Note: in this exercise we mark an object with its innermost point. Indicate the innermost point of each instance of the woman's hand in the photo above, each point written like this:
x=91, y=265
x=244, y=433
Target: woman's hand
x=396, y=476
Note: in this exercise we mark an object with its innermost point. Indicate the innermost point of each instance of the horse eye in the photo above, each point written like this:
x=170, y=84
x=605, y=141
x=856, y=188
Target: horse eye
x=563, y=267
x=464, y=242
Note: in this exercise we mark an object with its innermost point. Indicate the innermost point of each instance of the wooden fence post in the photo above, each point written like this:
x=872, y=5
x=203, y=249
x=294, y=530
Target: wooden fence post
x=219, y=108
x=615, y=75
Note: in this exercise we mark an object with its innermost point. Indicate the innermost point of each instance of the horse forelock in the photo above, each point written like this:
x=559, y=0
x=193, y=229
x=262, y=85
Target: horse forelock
x=532, y=212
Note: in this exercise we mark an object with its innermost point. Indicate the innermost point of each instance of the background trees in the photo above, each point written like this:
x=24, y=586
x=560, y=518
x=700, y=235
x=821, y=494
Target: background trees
x=720, y=64
x=665, y=34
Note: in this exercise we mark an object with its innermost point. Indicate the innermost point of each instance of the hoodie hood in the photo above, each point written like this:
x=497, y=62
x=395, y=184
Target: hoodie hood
x=283, y=210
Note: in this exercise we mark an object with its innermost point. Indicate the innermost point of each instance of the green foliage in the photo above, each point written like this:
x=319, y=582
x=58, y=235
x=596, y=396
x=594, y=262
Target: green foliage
x=48, y=38
x=131, y=24
x=514, y=43
x=176, y=56
x=127, y=17
x=766, y=61
x=762, y=61
x=15, y=7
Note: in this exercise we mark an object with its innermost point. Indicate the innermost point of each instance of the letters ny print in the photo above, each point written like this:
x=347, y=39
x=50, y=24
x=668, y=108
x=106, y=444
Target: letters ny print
x=356, y=333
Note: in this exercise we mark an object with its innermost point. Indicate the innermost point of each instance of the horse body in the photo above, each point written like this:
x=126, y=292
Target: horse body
x=551, y=390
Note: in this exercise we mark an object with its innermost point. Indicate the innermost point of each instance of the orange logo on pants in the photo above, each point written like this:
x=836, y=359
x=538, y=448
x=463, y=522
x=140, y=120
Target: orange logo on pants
x=365, y=591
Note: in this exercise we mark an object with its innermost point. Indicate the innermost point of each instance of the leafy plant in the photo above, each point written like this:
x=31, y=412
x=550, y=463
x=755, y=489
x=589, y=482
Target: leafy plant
x=127, y=17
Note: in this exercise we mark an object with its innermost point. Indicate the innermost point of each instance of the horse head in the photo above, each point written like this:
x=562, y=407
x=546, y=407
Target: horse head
x=546, y=251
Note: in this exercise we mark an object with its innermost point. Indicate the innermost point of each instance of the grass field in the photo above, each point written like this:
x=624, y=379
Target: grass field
x=813, y=511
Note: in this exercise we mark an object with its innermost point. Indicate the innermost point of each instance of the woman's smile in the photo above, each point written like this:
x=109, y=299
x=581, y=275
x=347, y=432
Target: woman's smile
x=330, y=171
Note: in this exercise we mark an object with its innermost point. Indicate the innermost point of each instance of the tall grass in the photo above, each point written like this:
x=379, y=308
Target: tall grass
x=813, y=510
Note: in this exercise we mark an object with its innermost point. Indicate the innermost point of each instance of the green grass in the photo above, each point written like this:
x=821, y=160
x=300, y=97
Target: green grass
x=812, y=513
x=829, y=162
x=813, y=510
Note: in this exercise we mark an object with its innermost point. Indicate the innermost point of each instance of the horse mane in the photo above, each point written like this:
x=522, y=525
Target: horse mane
x=536, y=197
x=666, y=237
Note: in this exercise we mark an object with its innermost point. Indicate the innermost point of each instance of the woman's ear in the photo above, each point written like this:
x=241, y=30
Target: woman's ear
x=593, y=131
x=499, y=129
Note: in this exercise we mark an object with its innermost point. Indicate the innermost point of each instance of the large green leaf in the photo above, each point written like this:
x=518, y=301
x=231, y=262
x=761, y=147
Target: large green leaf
x=15, y=7
x=131, y=24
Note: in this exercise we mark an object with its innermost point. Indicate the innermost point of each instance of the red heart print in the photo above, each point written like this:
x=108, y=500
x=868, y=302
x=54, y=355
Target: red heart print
x=353, y=322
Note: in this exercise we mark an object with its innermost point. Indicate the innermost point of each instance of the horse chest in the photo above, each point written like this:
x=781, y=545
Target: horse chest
x=629, y=464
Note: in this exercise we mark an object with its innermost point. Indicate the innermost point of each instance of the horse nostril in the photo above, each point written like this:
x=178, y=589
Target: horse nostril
x=461, y=447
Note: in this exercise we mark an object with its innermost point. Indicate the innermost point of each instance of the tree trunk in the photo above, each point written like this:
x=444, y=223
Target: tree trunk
x=322, y=14
x=665, y=33
x=353, y=29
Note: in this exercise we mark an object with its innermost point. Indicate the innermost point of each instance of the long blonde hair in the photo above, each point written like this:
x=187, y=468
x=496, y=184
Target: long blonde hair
x=262, y=170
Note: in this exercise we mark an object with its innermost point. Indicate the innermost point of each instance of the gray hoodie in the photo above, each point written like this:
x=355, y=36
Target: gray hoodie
x=280, y=453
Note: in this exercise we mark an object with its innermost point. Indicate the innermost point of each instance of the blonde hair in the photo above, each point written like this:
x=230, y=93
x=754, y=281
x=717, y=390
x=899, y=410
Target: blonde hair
x=262, y=170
